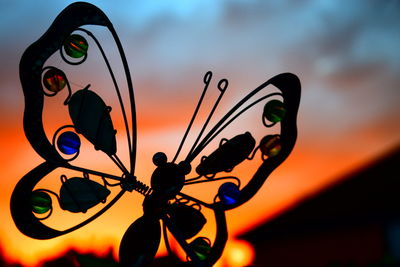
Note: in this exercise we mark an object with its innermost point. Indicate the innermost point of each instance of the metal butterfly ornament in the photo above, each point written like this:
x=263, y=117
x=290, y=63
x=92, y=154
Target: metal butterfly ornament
x=166, y=208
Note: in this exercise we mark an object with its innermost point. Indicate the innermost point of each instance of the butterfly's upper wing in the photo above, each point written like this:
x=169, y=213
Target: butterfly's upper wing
x=289, y=90
x=31, y=72
x=290, y=87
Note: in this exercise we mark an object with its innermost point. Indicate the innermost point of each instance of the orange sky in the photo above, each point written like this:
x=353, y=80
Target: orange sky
x=348, y=112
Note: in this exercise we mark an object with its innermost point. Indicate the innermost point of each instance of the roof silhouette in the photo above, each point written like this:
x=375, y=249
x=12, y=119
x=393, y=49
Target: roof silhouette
x=369, y=195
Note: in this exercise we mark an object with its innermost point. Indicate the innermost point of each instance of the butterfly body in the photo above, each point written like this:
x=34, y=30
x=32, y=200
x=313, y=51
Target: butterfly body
x=167, y=180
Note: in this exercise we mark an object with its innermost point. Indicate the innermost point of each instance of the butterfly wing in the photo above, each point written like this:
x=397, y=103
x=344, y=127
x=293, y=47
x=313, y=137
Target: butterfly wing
x=231, y=153
x=21, y=205
x=31, y=68
x=221, y=160
x=87, y=111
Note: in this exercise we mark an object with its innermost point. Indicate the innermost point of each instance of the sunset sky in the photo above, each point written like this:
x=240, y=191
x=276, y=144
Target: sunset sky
x=346, y=54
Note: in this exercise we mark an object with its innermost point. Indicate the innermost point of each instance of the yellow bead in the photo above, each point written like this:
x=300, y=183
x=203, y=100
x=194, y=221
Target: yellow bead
x=270, y=145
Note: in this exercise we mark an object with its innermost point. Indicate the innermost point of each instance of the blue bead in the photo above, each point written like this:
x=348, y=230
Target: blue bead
x=68, y=143
x=229, y=193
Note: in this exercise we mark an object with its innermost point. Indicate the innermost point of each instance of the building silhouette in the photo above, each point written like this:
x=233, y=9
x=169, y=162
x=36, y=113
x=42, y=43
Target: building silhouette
x=355, y=222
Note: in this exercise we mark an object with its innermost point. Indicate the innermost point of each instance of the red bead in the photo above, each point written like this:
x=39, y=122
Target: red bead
x=54, y=80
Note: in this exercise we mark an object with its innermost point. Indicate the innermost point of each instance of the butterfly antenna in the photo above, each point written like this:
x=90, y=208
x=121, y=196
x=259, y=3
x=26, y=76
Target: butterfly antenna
x=222, y=85
x=206, y=79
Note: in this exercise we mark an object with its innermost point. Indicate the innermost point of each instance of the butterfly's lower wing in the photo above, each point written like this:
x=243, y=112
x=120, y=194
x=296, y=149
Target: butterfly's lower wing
x=201, y=252
x=21, y=208
x=22, y=204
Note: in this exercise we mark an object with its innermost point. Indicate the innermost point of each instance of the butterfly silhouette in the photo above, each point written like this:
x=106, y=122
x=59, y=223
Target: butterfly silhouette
x=166, y=208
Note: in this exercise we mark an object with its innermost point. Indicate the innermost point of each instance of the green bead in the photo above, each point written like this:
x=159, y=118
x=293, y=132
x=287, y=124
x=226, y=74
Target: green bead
x=274, y=111
x=201, y=246
x=76, y=46
x=41, y=202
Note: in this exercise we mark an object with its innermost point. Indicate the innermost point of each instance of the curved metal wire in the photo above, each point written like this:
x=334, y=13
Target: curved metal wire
x=216, y=179
x=207, y=141
x=253, y=153
x=51, y=209
x=207, y=78
x=193, y=179
x=266, y=124
x=121, y=102
x=222, y=85
x=182, y=242
x=132, y=148
x=181, y=200
x=47, y=216
x=219, y=126
x=195, y=200
x=119, y=164
x=67, y=60
x=85, y=170
x=106, y=183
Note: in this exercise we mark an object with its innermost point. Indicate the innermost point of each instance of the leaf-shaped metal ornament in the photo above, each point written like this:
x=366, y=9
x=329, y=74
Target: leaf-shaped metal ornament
x=80, y=194
x=229, y=154
x=248, y=147
x=91, y=118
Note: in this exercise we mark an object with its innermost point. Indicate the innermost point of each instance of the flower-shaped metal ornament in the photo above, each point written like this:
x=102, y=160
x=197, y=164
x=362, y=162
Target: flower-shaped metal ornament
x=167, y=207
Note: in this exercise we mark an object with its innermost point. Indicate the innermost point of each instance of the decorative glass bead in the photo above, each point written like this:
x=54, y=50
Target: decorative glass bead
x=54, y=80
x=76, y=46
x=270, y=145
x=274, y=111
x=229, y=193
x=201, y=246
x=41, y=202
x=68, y=143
